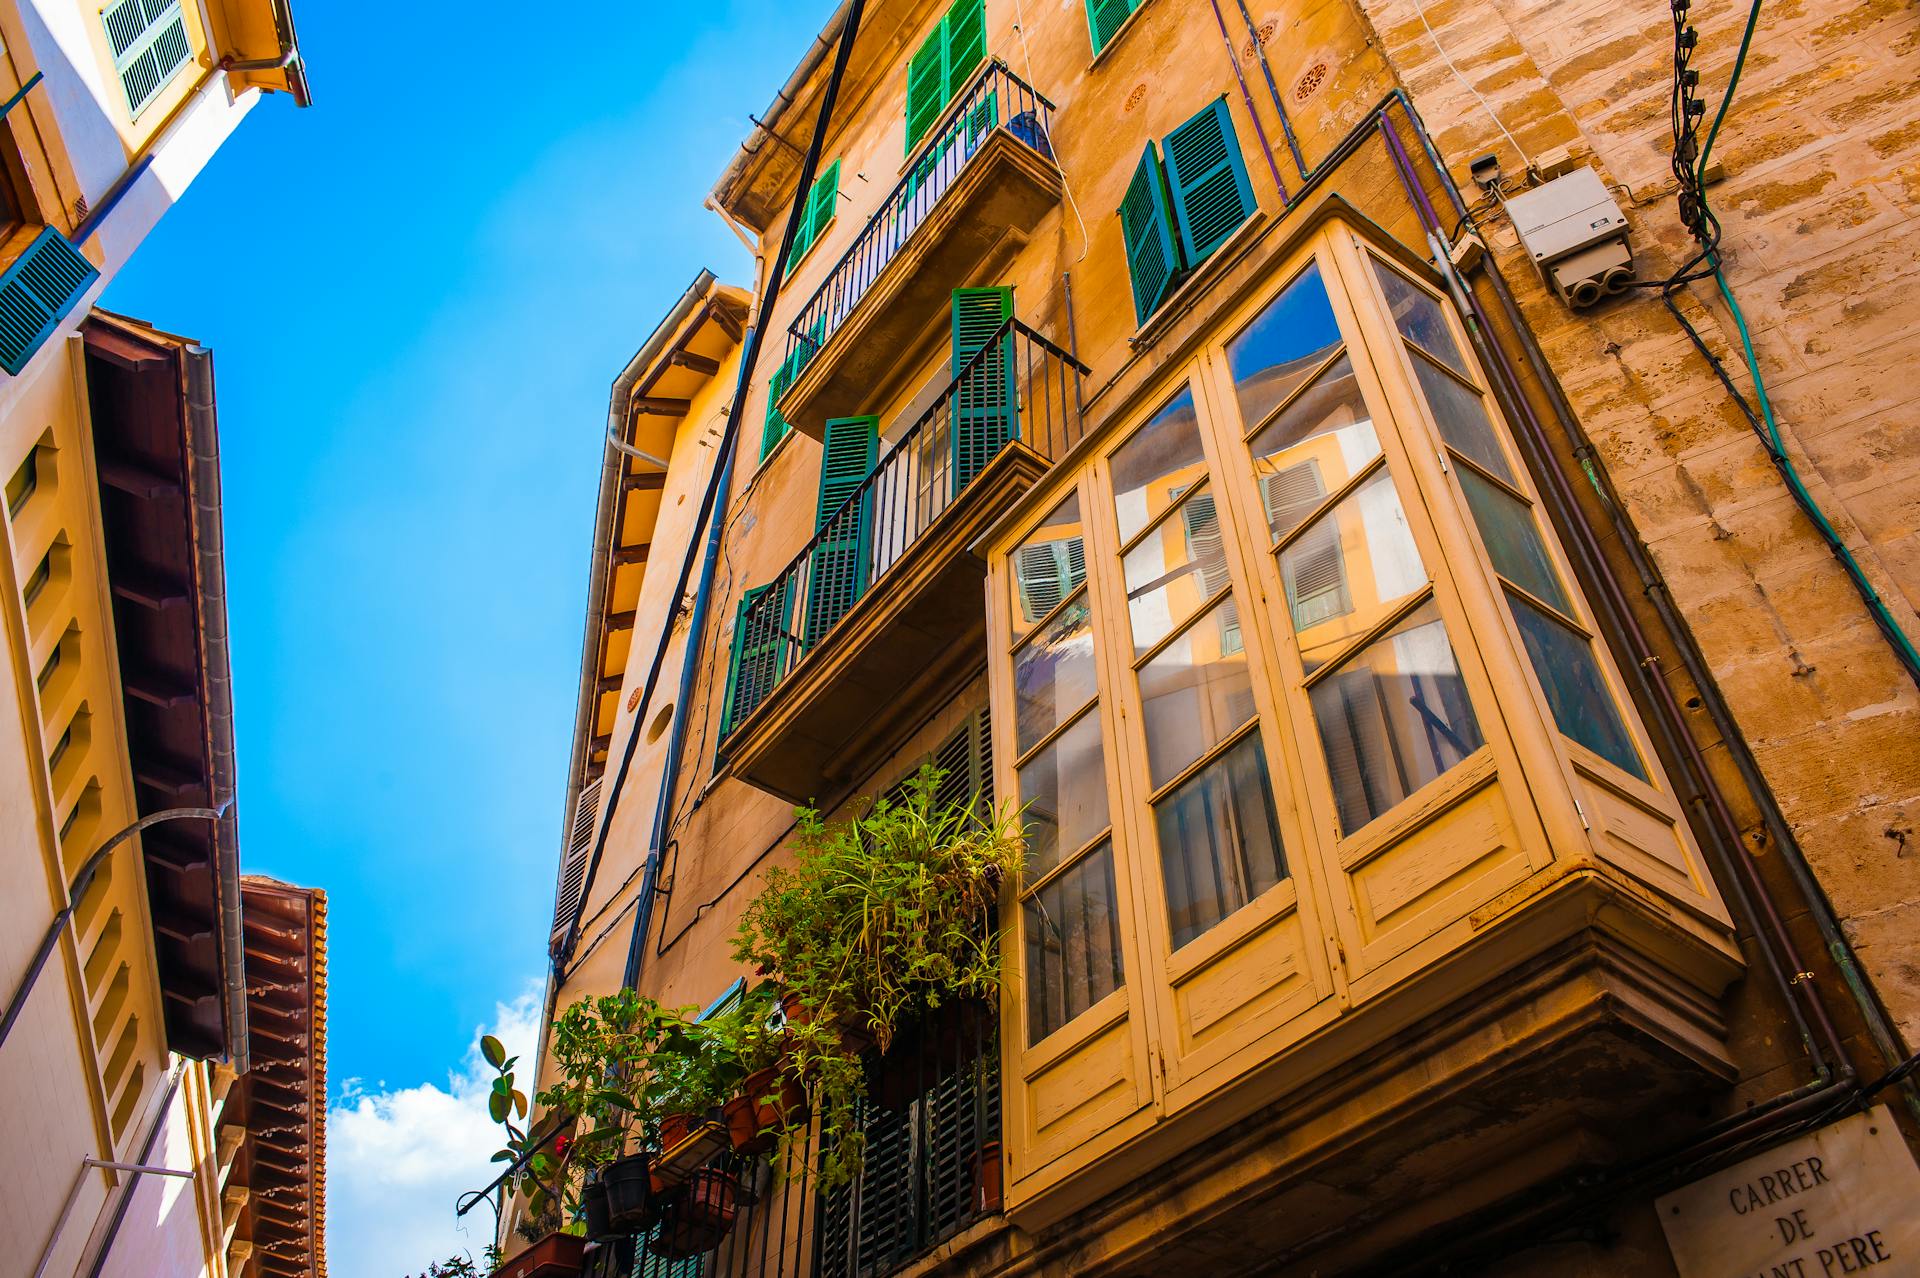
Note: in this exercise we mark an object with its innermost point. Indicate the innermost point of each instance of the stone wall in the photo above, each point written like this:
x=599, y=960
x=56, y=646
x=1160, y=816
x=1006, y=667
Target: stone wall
x=1821, y=209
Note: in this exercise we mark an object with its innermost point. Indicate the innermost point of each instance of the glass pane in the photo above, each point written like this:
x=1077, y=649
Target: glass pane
x=1073, y=944
x=1287, y=341
x=1349, y=568
x=1053, y=674
x=1462, y=417
x=1394, y=718
x=1219, y=840
x=1418, y=317
x=1049, y=565
x=1064, y=793
x=1513, y=539
x=1161, y=461
x=1176, y=568
x=1323, y=439
x=1195, y=692
x=1570, y=676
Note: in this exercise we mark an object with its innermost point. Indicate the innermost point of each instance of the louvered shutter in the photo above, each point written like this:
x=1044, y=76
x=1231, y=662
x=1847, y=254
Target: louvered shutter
x=775, y=428
x=759, y=652
x=573, y=868
x=1104, y=18
x=1291, y=493
x=1316, y=575
x=816, y=210
x=36, y=293
x=1153, y=258
x=149, y=41
x=838, y=574
x=1048, y=573
x=985, y=412
x=1208, y=180
x=966, y=31
x=926, y=86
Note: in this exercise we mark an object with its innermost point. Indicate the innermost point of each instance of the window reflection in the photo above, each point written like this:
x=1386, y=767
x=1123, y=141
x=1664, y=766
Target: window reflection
x=1323, y=438
x=1049, y=565
x=1513, y=540
x=1219, y=840
x=1349, y=568
x=1462, y=417
x=1195, y=692
x=1053, y=674
x=1162, y=460
x=1418, y=317
x=1072, y=928
x=1583, y=707
x=1282, y=347
x=1393, y=718
x=1063, y=791
x=1174, y=570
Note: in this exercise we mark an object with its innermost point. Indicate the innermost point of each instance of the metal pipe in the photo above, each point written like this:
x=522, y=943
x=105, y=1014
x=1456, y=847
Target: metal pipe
x=1280, y=108
x=210, y=572
x=710, y=504
x=20, y=97
x=716, y=532
x=81, y=882
x=1266, y=147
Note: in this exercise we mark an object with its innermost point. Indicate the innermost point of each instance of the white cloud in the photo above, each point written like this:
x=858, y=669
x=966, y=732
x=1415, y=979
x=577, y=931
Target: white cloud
x=398, y=1157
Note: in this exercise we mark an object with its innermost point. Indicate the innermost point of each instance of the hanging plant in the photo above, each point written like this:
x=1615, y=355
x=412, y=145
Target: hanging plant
x=878, y=918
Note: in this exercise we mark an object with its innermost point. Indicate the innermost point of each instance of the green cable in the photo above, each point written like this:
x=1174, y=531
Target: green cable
x=1877, y=606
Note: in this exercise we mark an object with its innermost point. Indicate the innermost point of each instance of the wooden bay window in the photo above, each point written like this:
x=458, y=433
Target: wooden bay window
x=1293, y=681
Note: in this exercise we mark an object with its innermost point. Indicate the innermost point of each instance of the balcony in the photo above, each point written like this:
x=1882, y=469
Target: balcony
x=881, y=614
x=931, y=1174
x=984, y=177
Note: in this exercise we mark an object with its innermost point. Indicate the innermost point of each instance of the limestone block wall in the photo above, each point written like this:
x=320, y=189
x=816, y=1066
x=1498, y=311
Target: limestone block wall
x=1821, y=209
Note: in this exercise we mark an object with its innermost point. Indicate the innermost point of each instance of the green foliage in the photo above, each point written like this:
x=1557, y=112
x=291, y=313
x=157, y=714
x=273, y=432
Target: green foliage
x=878, y=918
x=457, y=1266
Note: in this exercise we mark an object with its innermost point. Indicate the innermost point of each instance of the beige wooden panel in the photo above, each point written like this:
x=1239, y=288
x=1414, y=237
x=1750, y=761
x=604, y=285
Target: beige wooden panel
x=1075, y=1095
x=1634, y=832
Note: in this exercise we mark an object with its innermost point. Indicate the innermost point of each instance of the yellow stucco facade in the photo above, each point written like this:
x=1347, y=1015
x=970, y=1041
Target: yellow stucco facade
x=1483, y=814
x=120, y=1054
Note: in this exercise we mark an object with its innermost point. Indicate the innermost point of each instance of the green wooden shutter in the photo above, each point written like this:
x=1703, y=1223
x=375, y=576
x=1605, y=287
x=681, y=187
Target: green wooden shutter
x=1104, y=18
x=759, y=652
x=1153, y=258
x=966, y=28
x=37, y=291
x=1208, y=180
x=149, y=41
x=838, y=574
x=816, y=210
x=985, y=415
x=926, y=86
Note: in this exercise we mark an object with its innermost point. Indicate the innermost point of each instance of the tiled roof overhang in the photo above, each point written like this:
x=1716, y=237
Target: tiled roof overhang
x=282, y=1099
x=173, y=682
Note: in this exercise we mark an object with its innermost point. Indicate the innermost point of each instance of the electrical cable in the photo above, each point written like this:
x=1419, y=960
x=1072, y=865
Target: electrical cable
x=721, y=471
x=1484, y=104
x=1690, y=162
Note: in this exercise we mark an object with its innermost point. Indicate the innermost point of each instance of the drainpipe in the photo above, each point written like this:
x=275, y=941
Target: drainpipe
x=1266, y=147
x=288, y=59
x=211, y=575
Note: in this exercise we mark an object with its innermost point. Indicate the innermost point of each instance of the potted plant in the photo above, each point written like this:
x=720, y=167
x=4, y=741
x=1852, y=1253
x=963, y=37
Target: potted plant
x=543, y=1175
x=878, y=919
x=614, y=1057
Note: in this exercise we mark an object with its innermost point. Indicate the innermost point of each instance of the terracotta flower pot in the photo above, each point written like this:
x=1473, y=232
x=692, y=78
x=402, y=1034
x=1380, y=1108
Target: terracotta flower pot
x=989, y=1187
x=675, y=1128
x=777, y=1099
x=555, y=1256
x=743, y=1130
x=796, y=1012
x=700, y=1219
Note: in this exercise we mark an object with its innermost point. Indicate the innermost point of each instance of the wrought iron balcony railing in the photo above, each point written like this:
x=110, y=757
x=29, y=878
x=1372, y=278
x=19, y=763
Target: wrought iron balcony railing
x=1017, y=386
x=997, y=100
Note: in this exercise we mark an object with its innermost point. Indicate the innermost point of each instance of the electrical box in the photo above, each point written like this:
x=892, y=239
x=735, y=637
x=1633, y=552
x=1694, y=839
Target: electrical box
x=1577, y=235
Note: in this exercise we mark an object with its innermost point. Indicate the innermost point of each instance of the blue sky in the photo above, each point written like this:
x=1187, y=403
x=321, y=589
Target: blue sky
x=417, y=293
